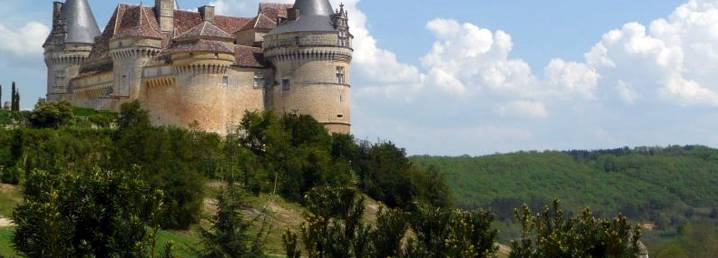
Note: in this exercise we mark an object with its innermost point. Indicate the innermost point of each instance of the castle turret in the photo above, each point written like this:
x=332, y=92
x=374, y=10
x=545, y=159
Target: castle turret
x=132, y=48
x=201, y=57
x=69, y=44
x=311, y=51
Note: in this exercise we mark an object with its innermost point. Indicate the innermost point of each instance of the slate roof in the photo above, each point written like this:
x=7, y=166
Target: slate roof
x=80, y=24
x=314, y=16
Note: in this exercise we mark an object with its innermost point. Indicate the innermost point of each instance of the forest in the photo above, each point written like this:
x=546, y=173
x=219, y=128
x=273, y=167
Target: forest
x=671, y=190
x=99, y=184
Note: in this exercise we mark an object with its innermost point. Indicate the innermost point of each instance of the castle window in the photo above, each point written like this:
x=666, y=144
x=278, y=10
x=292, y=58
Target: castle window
x=341, y=78
x=286, y=84
x=59, y=79
x=225, y=81
x=340, y=116
x=258, y=80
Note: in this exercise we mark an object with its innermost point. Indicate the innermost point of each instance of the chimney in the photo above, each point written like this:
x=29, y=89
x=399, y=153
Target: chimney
x=207, y=13
x=56, y=13
x=293, y=14
x=165, y=11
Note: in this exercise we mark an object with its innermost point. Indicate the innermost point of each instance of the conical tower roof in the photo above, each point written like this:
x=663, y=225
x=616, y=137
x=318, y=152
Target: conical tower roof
x=314, y=16
x=314, y=7
x=80, y=24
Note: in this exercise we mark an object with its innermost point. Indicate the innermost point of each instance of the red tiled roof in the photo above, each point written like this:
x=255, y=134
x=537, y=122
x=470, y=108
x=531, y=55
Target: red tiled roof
x=247, y=56
x=186, y=20
x=274, y=10
x=199, y=45
x=206, y=30
x=138, y=21
x=261, y=22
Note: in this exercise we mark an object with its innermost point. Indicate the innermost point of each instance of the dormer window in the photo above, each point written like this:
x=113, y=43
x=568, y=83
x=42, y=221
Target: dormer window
x=341, y=77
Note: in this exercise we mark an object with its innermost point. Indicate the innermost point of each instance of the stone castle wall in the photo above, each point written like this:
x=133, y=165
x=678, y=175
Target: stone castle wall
x=309, y=62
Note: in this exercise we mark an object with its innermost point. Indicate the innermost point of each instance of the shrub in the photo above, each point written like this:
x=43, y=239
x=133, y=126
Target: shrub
x=551, y=234
x=49, y=114
x=94, y=214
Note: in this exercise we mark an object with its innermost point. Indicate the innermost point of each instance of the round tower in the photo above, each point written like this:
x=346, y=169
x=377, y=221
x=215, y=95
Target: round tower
x=311, y=52
x=201, y=58
x=73, y=34
x=131, y=48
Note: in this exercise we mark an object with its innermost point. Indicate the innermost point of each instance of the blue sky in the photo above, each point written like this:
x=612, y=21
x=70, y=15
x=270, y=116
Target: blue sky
x=481, y=76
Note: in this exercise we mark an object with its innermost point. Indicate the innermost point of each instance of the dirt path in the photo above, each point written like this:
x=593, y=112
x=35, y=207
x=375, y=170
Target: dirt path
x=5, y=223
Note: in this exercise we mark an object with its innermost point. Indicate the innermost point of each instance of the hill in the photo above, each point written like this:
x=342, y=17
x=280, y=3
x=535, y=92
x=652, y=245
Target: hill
x=671, y=190
x=642, y=183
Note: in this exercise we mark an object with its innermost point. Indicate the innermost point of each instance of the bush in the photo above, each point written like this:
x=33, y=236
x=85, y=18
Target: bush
x=551, y=234
x=11, y=175
x=51, y=114
x=93, y=214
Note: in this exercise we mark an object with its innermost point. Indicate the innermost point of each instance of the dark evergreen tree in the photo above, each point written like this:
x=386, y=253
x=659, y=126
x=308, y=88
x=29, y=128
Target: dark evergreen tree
x=229, y=236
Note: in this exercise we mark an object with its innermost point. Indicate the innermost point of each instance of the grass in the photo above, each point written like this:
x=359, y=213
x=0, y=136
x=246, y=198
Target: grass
x=6, y=249
x=186, y=243
x=10, y=196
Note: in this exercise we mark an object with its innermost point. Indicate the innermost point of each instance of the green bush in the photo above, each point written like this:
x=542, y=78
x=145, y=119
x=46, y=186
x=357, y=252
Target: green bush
x=92, y=214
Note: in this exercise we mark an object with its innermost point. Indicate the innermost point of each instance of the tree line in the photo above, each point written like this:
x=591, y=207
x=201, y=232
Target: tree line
x=110, y=189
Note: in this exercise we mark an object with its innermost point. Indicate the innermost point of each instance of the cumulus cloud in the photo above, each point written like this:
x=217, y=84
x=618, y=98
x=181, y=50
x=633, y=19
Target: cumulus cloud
x=523, y=109
x=26, y=40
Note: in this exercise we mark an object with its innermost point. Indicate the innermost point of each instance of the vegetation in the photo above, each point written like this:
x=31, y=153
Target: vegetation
x=335, y=228
x=83, y=175
x=550, y=234
x=91, y=213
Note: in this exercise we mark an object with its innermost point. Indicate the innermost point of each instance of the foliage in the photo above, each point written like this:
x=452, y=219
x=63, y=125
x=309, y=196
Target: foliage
x=229, y=236
x=653, y=184
x=97, y=213
x=51, y=114
x=551, y=233
x=335, y=228
x=441, y=232
x=15, y=99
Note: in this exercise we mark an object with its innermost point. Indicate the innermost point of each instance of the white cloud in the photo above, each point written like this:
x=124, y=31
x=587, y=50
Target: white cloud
x=572, y=78
x=26, y=40
x=626, y=92
x=523, y=109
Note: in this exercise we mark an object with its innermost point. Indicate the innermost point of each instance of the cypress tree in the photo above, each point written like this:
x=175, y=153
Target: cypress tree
x=12, y=97
x=0, y=96
x=15, y=98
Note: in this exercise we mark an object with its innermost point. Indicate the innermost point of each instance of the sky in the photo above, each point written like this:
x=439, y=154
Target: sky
x=479, y=77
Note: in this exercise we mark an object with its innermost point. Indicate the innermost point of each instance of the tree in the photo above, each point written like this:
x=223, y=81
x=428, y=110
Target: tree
x=441, y=232
x=229, y=236
x=552, y=234
x=15, y=99
x=92, y=214
x=334, y=226
x=51, y=114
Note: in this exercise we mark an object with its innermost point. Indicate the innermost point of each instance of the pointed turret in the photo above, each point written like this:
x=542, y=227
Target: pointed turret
x=308, y=16
x=80, y=24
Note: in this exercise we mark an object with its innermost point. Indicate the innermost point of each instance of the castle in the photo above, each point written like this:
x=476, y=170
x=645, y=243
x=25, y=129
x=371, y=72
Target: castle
x=201, y=69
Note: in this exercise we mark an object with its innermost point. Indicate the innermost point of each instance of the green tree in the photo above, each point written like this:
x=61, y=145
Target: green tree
x=93, y=214
x=229, y=236
x=441, y=232
x=51, y=114
x=551, y=233
x=15, y=99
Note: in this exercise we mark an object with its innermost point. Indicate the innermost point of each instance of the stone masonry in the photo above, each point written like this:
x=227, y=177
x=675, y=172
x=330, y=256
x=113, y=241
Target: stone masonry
x=201, y=69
